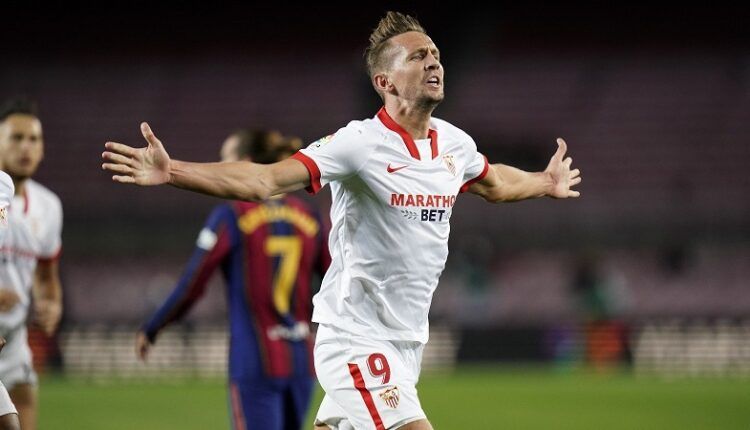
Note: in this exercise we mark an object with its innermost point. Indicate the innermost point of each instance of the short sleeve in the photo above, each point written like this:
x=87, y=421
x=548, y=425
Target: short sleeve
x=6, y=190
x=221, y=217
x=334, y=157
x=6, y=195
x=476, y=165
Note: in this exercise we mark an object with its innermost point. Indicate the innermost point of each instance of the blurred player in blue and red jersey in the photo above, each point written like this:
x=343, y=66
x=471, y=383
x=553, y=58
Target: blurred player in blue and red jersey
x=269, y=253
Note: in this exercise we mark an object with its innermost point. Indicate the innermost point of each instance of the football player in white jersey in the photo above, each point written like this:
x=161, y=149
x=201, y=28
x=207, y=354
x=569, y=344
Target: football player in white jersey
x=394, y=180
x=8, y=412
x=29, y=270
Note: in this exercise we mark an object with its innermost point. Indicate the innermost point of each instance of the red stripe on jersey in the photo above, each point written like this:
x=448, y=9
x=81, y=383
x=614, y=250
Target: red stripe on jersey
x=359, y=384
x=25, y=200
x=406, y=137
x=481, y=176
x=238, y=416
x=312, y=169
x=433, y=143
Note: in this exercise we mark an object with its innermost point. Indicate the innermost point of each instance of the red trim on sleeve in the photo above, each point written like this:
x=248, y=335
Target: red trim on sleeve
x=481, y=176
x=359, y=384
x=312, y=169
x=406, y=137
x=52, y=258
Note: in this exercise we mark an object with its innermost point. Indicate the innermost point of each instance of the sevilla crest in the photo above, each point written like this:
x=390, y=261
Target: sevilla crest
x=450, y=164
x=390, y=397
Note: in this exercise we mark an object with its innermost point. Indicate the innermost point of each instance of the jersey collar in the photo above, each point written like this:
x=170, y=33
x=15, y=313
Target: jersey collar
x=406, y=137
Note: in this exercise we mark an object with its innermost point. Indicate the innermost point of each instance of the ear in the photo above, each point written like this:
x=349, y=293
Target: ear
x=381, y=83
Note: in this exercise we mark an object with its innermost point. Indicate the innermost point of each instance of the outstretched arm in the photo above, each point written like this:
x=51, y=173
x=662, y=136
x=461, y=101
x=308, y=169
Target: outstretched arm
x=234, y=180
x=509, y=184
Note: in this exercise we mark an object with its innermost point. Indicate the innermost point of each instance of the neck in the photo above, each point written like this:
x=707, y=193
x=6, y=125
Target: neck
x=20, y=185
x=414, y=119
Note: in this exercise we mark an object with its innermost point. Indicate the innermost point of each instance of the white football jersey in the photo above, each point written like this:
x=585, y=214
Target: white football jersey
x=34, y=233
x=392, y=204
x=6, y=195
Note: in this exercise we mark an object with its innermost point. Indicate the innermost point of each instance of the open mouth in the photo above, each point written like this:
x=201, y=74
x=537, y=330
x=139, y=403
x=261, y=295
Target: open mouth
x=434, y=82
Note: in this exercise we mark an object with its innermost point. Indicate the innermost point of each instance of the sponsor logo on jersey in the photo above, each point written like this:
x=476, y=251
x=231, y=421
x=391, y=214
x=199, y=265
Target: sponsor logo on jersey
x=390, y=397
x=299, y=331
x=423, y=200
x=4, y=217
x=431, y=201
x=450, y=164
x=395, y=169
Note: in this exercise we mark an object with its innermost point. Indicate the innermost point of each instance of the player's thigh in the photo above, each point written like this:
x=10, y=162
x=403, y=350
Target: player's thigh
x=372, y=382
x=24, y=395
x=256, y=403
x=416, y=425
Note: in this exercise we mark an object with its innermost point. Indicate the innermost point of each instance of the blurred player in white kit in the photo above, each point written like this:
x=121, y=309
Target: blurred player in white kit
x=8, y=413
x=29, y=255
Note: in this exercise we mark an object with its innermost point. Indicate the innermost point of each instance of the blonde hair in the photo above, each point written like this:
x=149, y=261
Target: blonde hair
x=393, y=24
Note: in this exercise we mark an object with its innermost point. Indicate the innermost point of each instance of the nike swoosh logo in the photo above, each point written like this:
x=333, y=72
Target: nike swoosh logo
x=395, y=169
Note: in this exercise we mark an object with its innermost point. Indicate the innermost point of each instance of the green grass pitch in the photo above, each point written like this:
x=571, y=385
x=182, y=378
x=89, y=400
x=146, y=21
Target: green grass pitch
x=469, y=398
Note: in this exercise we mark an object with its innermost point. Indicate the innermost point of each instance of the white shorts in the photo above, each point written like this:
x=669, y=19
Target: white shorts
x=369, y=384
x=16, y=366
x=6, y=405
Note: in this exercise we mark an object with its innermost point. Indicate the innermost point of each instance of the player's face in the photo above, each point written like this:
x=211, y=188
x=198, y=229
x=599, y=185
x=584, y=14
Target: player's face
x=416, y=71
x=229, y=149
x=21, y=145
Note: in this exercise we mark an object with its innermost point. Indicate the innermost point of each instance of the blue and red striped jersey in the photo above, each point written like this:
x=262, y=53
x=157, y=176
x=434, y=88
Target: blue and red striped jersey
x=269, y=254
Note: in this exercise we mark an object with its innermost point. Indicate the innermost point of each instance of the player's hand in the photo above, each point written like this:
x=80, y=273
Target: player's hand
x=47, y=315
x=141, y=166
x=142, y=346
x=2, y=343
x=8, y=299
x=563, y=179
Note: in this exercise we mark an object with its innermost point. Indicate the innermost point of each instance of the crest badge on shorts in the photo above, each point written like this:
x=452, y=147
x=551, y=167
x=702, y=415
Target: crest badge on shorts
x=450, y=164
x=390, y=397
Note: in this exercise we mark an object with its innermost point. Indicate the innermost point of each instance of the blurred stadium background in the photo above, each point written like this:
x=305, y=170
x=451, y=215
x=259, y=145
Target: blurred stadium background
x=628, y=308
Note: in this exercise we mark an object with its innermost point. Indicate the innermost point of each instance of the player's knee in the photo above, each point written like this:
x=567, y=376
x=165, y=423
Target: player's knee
x=9, y=422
